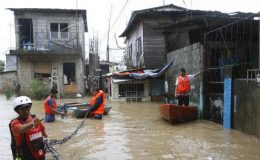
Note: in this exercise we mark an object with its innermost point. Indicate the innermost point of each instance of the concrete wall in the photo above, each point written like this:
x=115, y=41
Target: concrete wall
x=190, y=58
x=79, y=72
x=10, y=63
x=7, y=80
x=26, y=72
x=246, y=101
x=41, y=40
x=41, y=29
x=115, y=90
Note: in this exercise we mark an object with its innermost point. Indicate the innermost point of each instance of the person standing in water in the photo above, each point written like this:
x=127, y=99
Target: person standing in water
x=50, y=106
x=27, y=132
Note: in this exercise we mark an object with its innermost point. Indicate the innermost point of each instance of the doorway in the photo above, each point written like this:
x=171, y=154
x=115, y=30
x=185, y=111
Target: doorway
x=26, y=33
x=69, y=78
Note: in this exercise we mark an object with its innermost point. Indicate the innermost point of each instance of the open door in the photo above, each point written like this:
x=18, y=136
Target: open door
x=25, y=33
x=69, y=78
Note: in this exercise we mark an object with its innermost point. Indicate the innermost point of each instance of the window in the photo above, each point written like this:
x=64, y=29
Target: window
x=138, y=46
x=131, y=90
x=54, y=30
x=59, y=30
x=42, y=70
x=64, y=30
x=42, y=75
x=129, y=52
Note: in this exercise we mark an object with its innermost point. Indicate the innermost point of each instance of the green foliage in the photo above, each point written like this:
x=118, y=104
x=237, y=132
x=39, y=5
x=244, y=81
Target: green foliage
x=9, y=92
x=38, y=89
x=2, y=65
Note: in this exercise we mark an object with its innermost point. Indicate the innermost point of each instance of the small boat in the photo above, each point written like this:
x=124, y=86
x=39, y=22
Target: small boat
x=79, y=110
x=176, y=114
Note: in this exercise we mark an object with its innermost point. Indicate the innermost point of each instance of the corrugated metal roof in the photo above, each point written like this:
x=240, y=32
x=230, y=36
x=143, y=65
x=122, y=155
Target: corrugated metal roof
x=137, y=15
x=174, y=11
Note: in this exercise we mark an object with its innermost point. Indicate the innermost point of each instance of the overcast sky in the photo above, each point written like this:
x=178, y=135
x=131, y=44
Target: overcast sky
x=98, y=15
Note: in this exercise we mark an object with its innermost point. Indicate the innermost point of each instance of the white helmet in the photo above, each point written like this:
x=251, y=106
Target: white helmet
x=21, y=101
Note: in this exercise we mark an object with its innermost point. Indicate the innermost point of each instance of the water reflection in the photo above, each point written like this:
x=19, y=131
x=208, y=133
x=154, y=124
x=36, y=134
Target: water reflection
x=136, y=131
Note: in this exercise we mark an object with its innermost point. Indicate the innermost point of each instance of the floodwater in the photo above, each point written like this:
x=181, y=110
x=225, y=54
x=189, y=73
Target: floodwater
x=136, y=131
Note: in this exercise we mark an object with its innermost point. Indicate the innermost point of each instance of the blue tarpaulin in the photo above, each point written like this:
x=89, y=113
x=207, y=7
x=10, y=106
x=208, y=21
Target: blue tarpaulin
x=151, y=73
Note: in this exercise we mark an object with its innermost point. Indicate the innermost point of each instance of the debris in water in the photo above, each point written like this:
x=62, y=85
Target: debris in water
x=211, y=158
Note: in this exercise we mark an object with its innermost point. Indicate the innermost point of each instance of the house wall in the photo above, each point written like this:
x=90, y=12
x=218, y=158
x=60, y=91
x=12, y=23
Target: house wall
x=115, y=90
x=41, y=29
x=153, y=47
x=26, y=72
x=10, y=63
x=7, y=80
x=179, y=38
x=131, y=39
x=79, y=72
x=42, y=41
x=190, y=58
x=246, y=101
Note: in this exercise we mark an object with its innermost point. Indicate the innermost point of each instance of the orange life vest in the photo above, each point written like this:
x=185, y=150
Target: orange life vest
x=47, y=107
x=29, y=145
x=100, y=109
x=183, y=85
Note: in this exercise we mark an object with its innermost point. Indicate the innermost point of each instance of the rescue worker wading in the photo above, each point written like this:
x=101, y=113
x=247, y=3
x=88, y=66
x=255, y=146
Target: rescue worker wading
x=97, y=104
x=50, y=106
x=27, y=132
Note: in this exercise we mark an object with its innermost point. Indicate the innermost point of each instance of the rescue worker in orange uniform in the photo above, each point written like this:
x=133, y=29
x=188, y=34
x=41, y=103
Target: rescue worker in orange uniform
x=182, y=88
x=97, y=104
x=27, y=132
x=50, y=106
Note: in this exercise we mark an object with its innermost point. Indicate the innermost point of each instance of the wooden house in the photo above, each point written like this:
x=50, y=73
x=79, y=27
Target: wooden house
x=145, y=40
x=224, y=45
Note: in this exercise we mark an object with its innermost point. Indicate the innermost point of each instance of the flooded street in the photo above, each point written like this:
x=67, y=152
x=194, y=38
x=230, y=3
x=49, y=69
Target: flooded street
x=136, y=131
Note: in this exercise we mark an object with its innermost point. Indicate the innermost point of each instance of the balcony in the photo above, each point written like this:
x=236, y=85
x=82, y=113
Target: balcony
x=52, y=48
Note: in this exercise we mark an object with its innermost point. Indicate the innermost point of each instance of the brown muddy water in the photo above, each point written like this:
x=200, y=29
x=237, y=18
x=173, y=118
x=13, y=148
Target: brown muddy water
x=136, y=131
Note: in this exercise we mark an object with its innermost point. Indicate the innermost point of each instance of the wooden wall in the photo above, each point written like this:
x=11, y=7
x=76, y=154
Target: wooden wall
x=153, y=47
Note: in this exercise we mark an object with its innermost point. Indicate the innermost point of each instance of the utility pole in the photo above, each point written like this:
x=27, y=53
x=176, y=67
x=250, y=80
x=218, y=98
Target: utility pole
x=107, y=56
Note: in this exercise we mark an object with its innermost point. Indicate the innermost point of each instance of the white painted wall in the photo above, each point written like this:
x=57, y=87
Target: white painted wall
x=137, y=32
x=115, y=90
